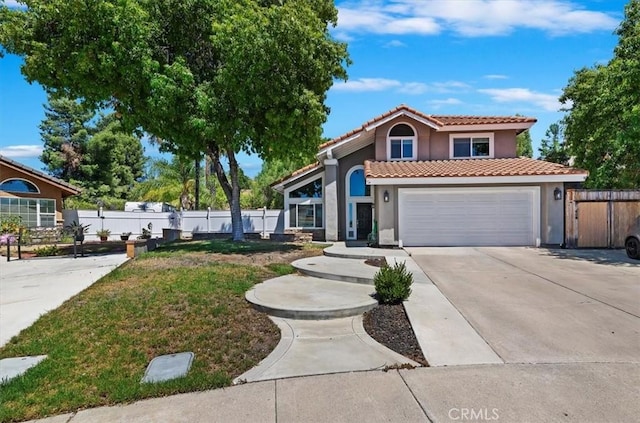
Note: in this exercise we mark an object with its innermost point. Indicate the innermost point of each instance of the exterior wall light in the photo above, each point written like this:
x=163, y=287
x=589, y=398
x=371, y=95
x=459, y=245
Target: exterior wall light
x=557, y=194
x=385, y=196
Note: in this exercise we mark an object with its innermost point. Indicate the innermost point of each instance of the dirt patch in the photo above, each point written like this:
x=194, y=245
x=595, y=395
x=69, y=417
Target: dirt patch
x=376, y=262
x=389, y=325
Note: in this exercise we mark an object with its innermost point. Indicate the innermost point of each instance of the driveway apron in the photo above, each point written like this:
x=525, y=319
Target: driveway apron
x=533, y=307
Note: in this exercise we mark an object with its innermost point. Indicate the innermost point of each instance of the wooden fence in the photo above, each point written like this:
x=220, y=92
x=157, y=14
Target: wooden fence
x=600, y=219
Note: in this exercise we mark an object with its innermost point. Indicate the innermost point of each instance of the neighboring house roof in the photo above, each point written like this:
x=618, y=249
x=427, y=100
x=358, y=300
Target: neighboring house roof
x=438, y=122
x=470, y=168
x=67, y=188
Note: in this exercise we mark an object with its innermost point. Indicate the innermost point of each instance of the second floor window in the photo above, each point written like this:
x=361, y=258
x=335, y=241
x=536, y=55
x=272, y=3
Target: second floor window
x=401, y=143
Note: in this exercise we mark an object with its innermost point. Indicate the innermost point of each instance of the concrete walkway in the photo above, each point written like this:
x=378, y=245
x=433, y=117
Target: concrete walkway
x=578, y=392
x=30, y=288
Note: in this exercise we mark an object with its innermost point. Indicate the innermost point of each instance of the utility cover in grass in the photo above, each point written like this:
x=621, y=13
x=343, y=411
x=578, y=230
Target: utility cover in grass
x=168, y=367
x=17, y=366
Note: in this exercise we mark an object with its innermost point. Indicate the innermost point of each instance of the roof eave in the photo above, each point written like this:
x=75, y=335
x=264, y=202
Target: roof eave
x=476, y=180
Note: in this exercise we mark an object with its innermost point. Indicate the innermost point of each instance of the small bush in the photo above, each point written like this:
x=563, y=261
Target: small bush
x=393, y=283
x=47, y=251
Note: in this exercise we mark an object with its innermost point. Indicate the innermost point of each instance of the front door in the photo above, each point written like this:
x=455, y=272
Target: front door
x=364, y=221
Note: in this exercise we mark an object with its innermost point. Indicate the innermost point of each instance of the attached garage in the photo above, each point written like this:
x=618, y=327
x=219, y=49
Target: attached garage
x=483, y=216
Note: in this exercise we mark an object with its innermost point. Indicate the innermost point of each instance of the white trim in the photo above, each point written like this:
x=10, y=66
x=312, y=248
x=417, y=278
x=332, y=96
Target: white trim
x=280, y=186
x=472, y=136
x=478, y=180
x=413, y=139
x=397, y=115
x=338, y=144
x=534, y=190
x=353, y=201
x=24, y=180
x=485, y=127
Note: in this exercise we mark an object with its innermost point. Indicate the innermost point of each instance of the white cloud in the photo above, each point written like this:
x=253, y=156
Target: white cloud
x=548, y=102
x=367, y=84
x=395, y=43
x=446, y=102
x=475, y=18
x=21, y=151
x=412, y=88
x=495, y=76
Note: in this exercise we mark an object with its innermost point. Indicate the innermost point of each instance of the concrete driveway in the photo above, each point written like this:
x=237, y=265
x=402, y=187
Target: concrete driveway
x=541, y=305
x=30, y=288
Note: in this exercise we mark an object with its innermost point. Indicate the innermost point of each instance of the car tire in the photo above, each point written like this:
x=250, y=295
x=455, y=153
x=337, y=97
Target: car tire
x=632, y=245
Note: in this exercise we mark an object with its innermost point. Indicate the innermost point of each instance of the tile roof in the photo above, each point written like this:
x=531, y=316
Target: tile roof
x=300, y=171
x=438, y=120
x=63, y=184
x=521, y=166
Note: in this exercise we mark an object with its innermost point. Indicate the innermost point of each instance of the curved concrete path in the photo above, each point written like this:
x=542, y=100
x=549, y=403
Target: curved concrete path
x=294, y=297
x=338, y=269
x=320, y=347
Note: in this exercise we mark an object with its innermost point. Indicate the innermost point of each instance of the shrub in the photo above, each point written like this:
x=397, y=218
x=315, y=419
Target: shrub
x=393, y=283
x=47, y=251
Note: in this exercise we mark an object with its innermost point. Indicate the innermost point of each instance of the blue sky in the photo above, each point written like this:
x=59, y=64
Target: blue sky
x=477, y=57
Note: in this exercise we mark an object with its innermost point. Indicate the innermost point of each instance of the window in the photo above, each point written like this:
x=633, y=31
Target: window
x=357, y=184
x=304, y=204
x=471, y=146
x=311, y=190
x=19, y=185
x=305, y=216
x=401, y=142
x=33, y=211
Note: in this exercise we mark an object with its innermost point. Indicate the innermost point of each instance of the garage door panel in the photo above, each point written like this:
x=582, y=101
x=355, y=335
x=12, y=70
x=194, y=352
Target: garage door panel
x=455, y=217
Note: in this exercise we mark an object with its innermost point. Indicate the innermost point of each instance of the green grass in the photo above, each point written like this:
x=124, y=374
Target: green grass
x=219, y=246
x=177, y=299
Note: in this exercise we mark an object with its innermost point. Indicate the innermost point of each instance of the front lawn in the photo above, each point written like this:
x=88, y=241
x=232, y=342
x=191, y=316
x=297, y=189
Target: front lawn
x=181, y=297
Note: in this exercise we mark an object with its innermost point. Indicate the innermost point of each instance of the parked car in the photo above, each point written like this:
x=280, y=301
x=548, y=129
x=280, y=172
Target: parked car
x=632, y=243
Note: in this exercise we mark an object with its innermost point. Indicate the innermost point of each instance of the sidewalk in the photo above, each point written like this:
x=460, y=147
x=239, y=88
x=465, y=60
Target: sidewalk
x=584, y=392
x=30, y=288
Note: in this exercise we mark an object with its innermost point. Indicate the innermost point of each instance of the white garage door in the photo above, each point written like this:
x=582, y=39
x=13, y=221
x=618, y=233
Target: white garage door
x=469, y=216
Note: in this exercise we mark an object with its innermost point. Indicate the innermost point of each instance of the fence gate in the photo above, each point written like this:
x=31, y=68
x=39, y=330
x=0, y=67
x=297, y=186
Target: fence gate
x=593, y=224
x=600, y=219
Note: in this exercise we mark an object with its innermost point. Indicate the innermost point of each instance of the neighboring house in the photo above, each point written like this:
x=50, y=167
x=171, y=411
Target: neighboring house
x=31, y=194
x=430, y=180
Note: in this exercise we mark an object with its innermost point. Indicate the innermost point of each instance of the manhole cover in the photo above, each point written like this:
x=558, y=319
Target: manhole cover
x=168, y=367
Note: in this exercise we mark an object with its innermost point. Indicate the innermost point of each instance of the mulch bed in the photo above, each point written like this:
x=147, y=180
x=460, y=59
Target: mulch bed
x=389, y=325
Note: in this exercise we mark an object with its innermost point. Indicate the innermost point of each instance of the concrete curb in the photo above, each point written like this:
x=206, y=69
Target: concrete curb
x=337, y=269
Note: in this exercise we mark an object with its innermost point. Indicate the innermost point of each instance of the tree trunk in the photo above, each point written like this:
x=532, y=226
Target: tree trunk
x=231, y=189
x=197, y=183
x=209, y=182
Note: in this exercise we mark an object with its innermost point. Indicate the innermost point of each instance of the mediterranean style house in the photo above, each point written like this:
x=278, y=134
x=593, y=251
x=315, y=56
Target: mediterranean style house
x=412, y=179
x=31, y=194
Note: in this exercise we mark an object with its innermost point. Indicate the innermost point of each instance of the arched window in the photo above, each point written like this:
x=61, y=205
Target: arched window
x=401, y=143
x=19, y=185
x=357, y=185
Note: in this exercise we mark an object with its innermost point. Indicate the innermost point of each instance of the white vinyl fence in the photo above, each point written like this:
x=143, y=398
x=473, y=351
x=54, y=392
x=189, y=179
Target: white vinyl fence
x=260, y=221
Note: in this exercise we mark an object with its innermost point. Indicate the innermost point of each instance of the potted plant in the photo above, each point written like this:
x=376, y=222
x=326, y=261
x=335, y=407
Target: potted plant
x=125, y=236
x=146, y=232
x=103, y=234
x=78, y=230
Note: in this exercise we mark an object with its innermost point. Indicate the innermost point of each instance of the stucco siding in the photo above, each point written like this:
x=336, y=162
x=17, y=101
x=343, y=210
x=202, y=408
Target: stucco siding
x=504, y=144
x=344, y=165
x=423, y=132
x=47, y=190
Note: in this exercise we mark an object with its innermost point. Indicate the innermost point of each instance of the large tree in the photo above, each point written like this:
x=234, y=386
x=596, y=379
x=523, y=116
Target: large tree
x=603, y=121
x=211, y=76
x=524, y=147
x=552, y=147
x=65, y=131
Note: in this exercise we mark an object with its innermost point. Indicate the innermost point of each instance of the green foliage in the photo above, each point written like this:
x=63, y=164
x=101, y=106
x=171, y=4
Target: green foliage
x=47, y=251
x=552, y=147
x=523, y=144
x=214, y=77
x=603, y=121
x=393, y=283
x=65, y=131
x=11, y=224
x=272, y=170
x=281, y=268
x=77, y=228
x=103, y=232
